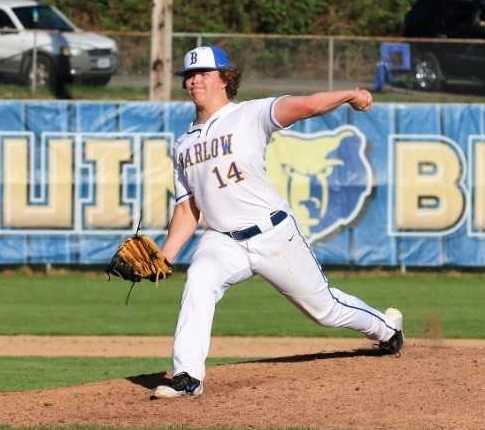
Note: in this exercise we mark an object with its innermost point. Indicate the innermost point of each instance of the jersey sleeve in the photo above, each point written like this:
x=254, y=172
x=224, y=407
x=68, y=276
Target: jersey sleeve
x=180, y=180
x=266, y=117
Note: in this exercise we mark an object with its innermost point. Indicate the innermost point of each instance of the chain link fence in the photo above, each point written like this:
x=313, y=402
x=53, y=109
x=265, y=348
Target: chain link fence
x=275, y=64
x=269, y=63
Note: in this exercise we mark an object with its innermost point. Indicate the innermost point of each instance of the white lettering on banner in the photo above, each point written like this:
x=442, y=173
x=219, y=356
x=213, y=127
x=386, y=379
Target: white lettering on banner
x=100, y=183
x=19, y=209
x=476, y=157
x=72, y=183
x=427, y=194
x=157, y=184
x=109, y=209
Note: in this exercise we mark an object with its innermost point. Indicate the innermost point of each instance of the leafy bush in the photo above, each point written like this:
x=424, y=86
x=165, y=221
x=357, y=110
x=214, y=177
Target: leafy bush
x=363, y=17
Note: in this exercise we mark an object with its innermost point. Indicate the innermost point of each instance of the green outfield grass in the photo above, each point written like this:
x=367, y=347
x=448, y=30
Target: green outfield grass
x=448, y=304
x=141, y=93
x=31, y=373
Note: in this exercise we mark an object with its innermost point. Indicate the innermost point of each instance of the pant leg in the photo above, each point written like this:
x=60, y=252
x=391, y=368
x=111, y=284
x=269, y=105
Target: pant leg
x=284, y=258
x=217, y=263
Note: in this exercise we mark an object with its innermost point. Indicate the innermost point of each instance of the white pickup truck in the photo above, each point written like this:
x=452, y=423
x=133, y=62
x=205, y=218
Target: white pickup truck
x=62, y=50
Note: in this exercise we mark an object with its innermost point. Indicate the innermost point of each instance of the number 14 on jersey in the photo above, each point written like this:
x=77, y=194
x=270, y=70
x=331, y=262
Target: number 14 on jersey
x=233, y=174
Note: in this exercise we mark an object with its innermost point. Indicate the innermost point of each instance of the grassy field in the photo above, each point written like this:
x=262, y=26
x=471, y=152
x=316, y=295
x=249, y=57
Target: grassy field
x=86, y=304
x=140, y=93
x=32, y=373
x=17, y=92
x=71, y=303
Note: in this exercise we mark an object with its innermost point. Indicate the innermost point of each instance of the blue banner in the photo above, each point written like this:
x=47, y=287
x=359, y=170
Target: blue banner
x=401, y=185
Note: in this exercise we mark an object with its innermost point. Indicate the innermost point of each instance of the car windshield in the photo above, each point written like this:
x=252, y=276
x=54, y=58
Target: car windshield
x=41, y=18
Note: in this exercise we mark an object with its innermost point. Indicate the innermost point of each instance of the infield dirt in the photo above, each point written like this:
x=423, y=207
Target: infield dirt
x=343, y=384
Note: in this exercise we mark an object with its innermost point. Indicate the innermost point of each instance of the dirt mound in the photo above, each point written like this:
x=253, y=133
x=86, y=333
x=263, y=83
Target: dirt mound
x=428, y=387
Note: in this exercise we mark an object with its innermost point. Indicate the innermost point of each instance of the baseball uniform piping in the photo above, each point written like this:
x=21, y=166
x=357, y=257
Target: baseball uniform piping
x=271, y=112
x=194, y=130
x=326, y=280
x=181, y=197
x=210, y=125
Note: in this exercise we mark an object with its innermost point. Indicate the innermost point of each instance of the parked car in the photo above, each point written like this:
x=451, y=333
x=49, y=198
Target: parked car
x=62, y=50
x=435, y=64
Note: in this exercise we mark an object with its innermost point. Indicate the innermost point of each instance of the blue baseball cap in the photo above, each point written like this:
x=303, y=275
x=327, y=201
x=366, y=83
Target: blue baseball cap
x=205, y=58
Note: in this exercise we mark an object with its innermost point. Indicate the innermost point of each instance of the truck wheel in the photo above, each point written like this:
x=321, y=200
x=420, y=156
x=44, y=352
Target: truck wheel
x=45, y=71
x=427, y=72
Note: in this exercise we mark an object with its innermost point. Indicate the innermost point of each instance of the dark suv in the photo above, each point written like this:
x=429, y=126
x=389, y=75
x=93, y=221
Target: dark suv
x=435, y=63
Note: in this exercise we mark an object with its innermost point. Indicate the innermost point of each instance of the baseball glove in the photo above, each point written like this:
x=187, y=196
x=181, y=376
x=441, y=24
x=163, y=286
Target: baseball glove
x=139, y=258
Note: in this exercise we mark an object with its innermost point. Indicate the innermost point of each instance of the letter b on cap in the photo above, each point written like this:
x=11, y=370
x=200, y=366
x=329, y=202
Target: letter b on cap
x=193, y=58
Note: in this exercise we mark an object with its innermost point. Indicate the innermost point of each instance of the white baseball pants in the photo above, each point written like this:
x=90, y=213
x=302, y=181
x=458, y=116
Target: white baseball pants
x=280, y=255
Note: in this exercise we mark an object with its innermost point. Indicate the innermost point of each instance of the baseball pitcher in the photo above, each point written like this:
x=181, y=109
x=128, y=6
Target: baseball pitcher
x=219, y=166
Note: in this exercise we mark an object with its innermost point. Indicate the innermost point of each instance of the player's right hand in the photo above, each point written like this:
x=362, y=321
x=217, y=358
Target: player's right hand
x=361, y=100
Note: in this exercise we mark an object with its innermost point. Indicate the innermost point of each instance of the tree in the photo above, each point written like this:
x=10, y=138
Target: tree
x=336, y=17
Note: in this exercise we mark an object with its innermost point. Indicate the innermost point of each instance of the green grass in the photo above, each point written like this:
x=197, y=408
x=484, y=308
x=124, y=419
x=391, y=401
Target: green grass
x=32, y=373
x=86, y=304
x=424, y=97
x=140, y=93
x=77, y=92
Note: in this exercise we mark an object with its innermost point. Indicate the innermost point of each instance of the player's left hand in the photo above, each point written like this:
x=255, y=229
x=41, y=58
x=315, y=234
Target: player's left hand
x=361, y=100
x=139, y=258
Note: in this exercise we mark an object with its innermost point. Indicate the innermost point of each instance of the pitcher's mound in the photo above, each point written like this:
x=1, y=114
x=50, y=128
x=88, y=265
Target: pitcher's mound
x=429, y=386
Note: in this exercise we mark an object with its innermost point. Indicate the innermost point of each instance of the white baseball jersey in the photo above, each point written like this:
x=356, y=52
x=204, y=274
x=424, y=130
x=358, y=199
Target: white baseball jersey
x=221, y=163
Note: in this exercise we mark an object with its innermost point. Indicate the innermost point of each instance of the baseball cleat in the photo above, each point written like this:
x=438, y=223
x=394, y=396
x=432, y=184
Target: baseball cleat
x=181, y=384
x=395, y=343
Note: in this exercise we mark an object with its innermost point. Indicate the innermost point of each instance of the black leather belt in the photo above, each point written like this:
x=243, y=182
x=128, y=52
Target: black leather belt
x=248, y=233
